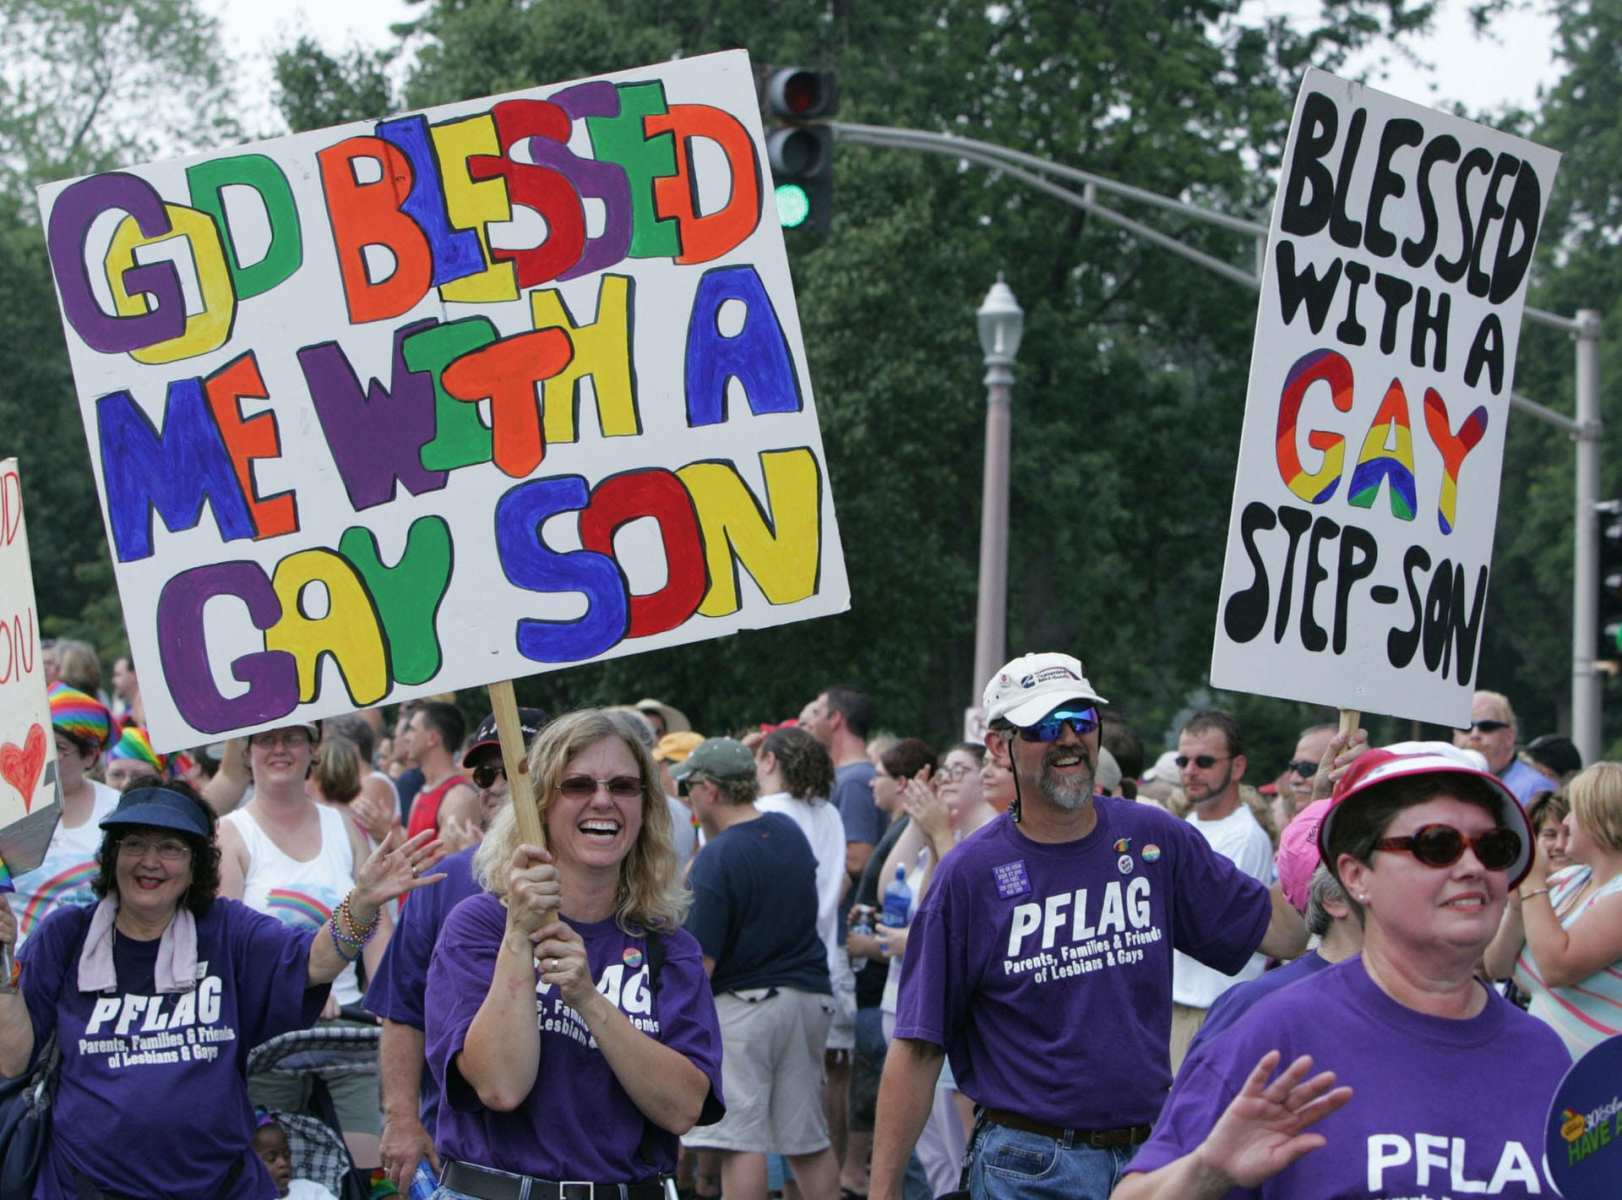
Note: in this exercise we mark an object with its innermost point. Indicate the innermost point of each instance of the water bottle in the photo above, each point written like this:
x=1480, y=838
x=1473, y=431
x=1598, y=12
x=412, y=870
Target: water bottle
x=423, y=1183
x=897, y=902
x=863, y=924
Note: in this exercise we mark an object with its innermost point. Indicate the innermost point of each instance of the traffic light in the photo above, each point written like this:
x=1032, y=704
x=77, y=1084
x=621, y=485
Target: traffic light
x=801, y=148
x=1608, y=513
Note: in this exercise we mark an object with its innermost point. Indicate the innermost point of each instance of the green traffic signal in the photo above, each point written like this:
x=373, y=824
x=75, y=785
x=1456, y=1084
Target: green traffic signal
x=793, y=205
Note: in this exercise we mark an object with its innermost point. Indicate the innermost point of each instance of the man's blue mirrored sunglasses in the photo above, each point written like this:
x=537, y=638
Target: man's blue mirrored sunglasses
x=1049, y=728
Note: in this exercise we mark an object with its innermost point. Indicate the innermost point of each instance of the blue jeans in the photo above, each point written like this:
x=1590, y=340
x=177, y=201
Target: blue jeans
x=1010, y=1164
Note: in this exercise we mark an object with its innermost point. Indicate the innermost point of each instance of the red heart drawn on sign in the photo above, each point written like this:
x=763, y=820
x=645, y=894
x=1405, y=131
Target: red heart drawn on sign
x=21, y=767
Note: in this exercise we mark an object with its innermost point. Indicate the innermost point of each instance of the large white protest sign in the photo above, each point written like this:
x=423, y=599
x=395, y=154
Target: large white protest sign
x=28, y=803
x=1360, y=540
x=450, y=398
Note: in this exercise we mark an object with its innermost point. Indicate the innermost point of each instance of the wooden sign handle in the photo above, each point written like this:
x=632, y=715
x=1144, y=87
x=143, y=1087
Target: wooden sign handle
x=1349, y=720
x=520, y=787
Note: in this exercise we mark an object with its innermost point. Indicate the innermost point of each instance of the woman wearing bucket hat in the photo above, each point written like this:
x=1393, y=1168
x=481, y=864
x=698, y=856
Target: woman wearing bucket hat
x=1440, y=1080
x=81, y=725
x=154, y=997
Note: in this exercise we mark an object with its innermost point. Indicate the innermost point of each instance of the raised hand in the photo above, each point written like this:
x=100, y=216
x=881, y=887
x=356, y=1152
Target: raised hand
x=534, y=890
x=1260, y=1132
x=925, y=806
x=374, y=814
x=8, y=923
x=395, y=868
x=1338, y=757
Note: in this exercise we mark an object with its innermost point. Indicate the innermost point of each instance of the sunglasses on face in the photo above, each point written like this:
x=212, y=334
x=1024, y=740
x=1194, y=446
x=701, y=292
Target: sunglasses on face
x=1051, y=727
x=486, y=774
x=1303, y=767
x=584, y=787
x=1442, y=846
x=1487, y=726
x=1206, y=761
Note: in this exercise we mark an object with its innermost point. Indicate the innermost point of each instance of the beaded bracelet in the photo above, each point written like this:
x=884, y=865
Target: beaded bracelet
x=362, y=933
x=339, y=941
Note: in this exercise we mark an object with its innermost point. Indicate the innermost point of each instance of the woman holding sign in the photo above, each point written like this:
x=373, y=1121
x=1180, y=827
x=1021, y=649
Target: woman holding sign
x=1449, y=1082
x=569, y=1023
x=156, y=994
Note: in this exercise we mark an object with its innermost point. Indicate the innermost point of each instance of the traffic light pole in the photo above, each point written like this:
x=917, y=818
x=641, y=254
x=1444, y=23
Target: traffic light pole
x=1584, y=429
x=1586, y=684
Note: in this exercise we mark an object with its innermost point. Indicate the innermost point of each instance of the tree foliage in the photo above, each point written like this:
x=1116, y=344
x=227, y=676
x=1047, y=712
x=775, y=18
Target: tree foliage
x=1132, y=373
x=77, y=91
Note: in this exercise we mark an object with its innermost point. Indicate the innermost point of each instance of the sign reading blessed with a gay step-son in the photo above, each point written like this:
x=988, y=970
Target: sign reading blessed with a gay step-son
x=447, y=398
x=1367, y=489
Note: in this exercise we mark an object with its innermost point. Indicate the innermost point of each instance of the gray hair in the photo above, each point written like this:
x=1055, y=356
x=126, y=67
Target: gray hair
x=1323, y=889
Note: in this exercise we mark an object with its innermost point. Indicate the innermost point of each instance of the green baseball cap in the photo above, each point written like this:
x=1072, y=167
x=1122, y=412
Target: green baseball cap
x=719, y=758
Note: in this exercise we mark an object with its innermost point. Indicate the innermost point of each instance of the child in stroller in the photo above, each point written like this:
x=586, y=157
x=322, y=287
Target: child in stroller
x=271, y=1144
x=315, y=1142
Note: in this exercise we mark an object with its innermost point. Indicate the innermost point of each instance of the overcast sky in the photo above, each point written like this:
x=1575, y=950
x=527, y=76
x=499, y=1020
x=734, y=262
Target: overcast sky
x=1453, y=64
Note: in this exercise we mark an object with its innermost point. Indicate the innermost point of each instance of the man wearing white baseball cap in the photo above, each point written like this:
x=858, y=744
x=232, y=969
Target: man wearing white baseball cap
x=1040, y=958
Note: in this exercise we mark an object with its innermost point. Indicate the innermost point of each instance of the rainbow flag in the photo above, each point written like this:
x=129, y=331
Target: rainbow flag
x=5, y=878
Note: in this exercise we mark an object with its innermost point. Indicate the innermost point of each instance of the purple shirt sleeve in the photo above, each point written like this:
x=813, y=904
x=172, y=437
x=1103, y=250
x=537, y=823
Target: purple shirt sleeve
x=45, y=962
x=686, y=1011
x=937, y=979
x=459, y=975
x=273, y=971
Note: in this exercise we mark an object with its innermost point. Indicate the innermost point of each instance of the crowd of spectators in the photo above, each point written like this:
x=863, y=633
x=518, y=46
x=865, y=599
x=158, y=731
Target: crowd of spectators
x=815, y=958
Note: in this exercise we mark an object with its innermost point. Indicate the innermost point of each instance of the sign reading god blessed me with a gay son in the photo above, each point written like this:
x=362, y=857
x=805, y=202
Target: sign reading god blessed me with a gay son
x=1367, y=489
x=444, y=399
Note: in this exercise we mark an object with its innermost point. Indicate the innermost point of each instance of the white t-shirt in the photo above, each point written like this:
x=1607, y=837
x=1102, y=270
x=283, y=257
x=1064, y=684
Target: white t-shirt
x=1239, y=838
x=820, y=823
x=307, y=1189
x=68, y=869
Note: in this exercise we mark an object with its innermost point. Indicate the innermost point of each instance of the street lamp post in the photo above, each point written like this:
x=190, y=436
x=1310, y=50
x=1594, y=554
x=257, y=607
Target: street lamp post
x=1002, y=321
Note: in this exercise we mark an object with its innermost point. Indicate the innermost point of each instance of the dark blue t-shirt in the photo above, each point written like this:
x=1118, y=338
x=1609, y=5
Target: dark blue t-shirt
x=755, y=908
x=397, y=991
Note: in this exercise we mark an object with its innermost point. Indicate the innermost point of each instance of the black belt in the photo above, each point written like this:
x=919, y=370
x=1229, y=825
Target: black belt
x=489, y=1184
x=1098, y=1139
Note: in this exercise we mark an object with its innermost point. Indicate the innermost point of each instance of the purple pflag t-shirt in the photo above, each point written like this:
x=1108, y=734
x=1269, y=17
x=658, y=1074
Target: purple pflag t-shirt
x=1045, y=970
x=1440, y=1108
x=577, y=1122
x=152, y=1098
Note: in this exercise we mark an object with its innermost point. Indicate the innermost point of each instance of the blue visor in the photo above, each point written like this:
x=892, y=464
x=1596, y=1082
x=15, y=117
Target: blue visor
x=159, y=808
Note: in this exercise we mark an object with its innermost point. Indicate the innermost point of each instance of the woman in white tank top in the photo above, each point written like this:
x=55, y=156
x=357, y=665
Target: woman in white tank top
x=285, y=855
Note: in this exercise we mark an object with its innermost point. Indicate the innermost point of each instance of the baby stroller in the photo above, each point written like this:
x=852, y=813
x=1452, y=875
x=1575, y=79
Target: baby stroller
x=313, y=1134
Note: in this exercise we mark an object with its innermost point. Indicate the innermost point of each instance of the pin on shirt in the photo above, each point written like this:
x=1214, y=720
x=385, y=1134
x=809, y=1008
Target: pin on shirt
x=1012, y=879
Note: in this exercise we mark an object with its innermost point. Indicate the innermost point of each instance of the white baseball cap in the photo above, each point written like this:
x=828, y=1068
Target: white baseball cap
x=1033, y=685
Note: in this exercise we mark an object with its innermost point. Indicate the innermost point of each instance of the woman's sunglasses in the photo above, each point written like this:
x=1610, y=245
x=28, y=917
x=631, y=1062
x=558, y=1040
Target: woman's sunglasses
x=1050, y=727
x=1442, y=846
x=486, y=774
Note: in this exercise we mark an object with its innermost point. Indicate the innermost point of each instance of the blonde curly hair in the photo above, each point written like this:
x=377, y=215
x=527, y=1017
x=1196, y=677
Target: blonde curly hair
x=652, y=893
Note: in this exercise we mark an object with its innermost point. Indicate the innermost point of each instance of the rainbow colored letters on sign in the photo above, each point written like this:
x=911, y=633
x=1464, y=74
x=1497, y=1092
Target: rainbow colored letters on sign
x=446, y=398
